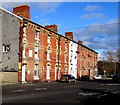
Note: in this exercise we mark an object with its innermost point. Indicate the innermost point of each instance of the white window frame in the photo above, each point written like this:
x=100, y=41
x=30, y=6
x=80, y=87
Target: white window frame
x=48, y=39
x=37, y=35
x=65, y=57
x=36, y=51
x=48, y=54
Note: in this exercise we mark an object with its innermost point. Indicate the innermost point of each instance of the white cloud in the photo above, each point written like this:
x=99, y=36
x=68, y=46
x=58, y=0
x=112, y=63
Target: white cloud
x=9, y=5
x=41, y=21
x=44, y=22
x=39, y=6
x=112, y=21
x=92, y=7
x=46, y=6
x=99, y=37
x=93, y=16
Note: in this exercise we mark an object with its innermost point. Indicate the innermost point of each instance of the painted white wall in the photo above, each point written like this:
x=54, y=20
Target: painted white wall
x=73, y=59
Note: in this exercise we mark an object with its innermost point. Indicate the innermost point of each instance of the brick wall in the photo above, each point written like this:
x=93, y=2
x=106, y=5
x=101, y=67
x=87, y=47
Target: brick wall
x=59, y=46
x=53, y=52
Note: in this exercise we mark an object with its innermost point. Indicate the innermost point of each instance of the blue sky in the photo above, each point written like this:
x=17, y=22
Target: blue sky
x=100, y=18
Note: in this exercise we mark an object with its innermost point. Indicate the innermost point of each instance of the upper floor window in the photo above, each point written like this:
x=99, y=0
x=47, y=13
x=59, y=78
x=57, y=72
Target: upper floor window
x=6, y=48
x=48, y=39
x=36, y=35
x=65, y=45
x=48, y=52
x=36, y=52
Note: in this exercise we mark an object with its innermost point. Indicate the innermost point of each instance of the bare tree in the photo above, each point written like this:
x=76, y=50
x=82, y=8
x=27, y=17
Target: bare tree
x=118, y=54
x=110, y=62
x=114, y=56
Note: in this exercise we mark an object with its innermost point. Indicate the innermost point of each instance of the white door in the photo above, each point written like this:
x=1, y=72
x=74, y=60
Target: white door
x=23, y=72
x=48, y=72
x=36, y=72
x=59, y=73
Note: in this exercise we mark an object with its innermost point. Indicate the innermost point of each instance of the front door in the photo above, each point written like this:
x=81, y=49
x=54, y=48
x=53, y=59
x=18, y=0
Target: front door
x=36, y=72
x=59, y=69
x=23, y=73
x=48, y=72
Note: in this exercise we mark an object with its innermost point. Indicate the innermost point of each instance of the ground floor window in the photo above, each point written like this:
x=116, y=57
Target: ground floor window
x=65, y=70
x=36, y=70
x=6, y=48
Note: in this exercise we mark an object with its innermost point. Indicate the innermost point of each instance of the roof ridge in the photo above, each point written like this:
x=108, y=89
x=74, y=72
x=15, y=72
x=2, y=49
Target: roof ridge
x=11, y=13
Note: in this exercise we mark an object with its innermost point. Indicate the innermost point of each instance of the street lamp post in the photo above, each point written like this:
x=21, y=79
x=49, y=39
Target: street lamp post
x=104, y=74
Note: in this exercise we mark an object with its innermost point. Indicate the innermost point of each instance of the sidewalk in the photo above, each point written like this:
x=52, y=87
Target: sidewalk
x=6, y=83
x=20, y=85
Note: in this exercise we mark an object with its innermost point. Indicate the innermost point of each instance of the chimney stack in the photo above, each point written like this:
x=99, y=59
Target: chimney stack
x=22, y=10
x=80, y=42
x=52, y=27
x=69, y=35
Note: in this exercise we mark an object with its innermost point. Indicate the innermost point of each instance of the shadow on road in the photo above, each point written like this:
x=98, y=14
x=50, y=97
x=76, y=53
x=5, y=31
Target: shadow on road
x=98, y=97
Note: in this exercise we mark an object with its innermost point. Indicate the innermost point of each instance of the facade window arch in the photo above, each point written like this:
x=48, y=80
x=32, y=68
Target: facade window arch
x=48, y=39
x=48, y=52
x=65, y=57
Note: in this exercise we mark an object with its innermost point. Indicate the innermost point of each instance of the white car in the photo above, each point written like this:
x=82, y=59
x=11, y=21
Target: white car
x=98, y=77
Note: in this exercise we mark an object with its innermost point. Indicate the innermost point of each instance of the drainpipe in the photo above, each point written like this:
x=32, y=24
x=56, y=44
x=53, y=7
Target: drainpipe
x=58, y=57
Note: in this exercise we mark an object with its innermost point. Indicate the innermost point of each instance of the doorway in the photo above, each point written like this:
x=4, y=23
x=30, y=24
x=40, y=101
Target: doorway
x=56, y=69
x=23, y=72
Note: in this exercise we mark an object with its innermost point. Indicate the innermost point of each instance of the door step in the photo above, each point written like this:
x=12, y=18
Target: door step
x=24, y=82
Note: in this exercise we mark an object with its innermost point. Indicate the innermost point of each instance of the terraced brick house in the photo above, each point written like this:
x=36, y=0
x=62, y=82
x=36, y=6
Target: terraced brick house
x=40, y=53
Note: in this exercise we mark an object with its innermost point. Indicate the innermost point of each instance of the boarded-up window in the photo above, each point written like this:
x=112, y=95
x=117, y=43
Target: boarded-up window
x=30, y=53
x=6, y=48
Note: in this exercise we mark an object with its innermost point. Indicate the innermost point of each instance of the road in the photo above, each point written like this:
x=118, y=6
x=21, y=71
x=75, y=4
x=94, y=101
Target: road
x=81, y=92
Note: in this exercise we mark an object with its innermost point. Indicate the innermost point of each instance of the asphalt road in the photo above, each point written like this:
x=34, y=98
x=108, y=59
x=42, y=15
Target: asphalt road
x=82, y=93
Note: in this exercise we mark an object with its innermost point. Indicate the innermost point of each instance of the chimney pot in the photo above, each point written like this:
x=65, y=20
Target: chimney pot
x=80, y=42
x=69, y=35
x=22, y=10
x=52, y=27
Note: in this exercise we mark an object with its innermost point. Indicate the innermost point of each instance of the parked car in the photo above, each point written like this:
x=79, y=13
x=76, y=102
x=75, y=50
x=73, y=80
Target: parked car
x=85, y=78
x=116, y=78
x=97, y=77
x=67, y=78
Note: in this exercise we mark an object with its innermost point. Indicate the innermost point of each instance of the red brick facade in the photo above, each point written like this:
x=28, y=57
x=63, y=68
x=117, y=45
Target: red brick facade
x=87, y=61
x=44, y=54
